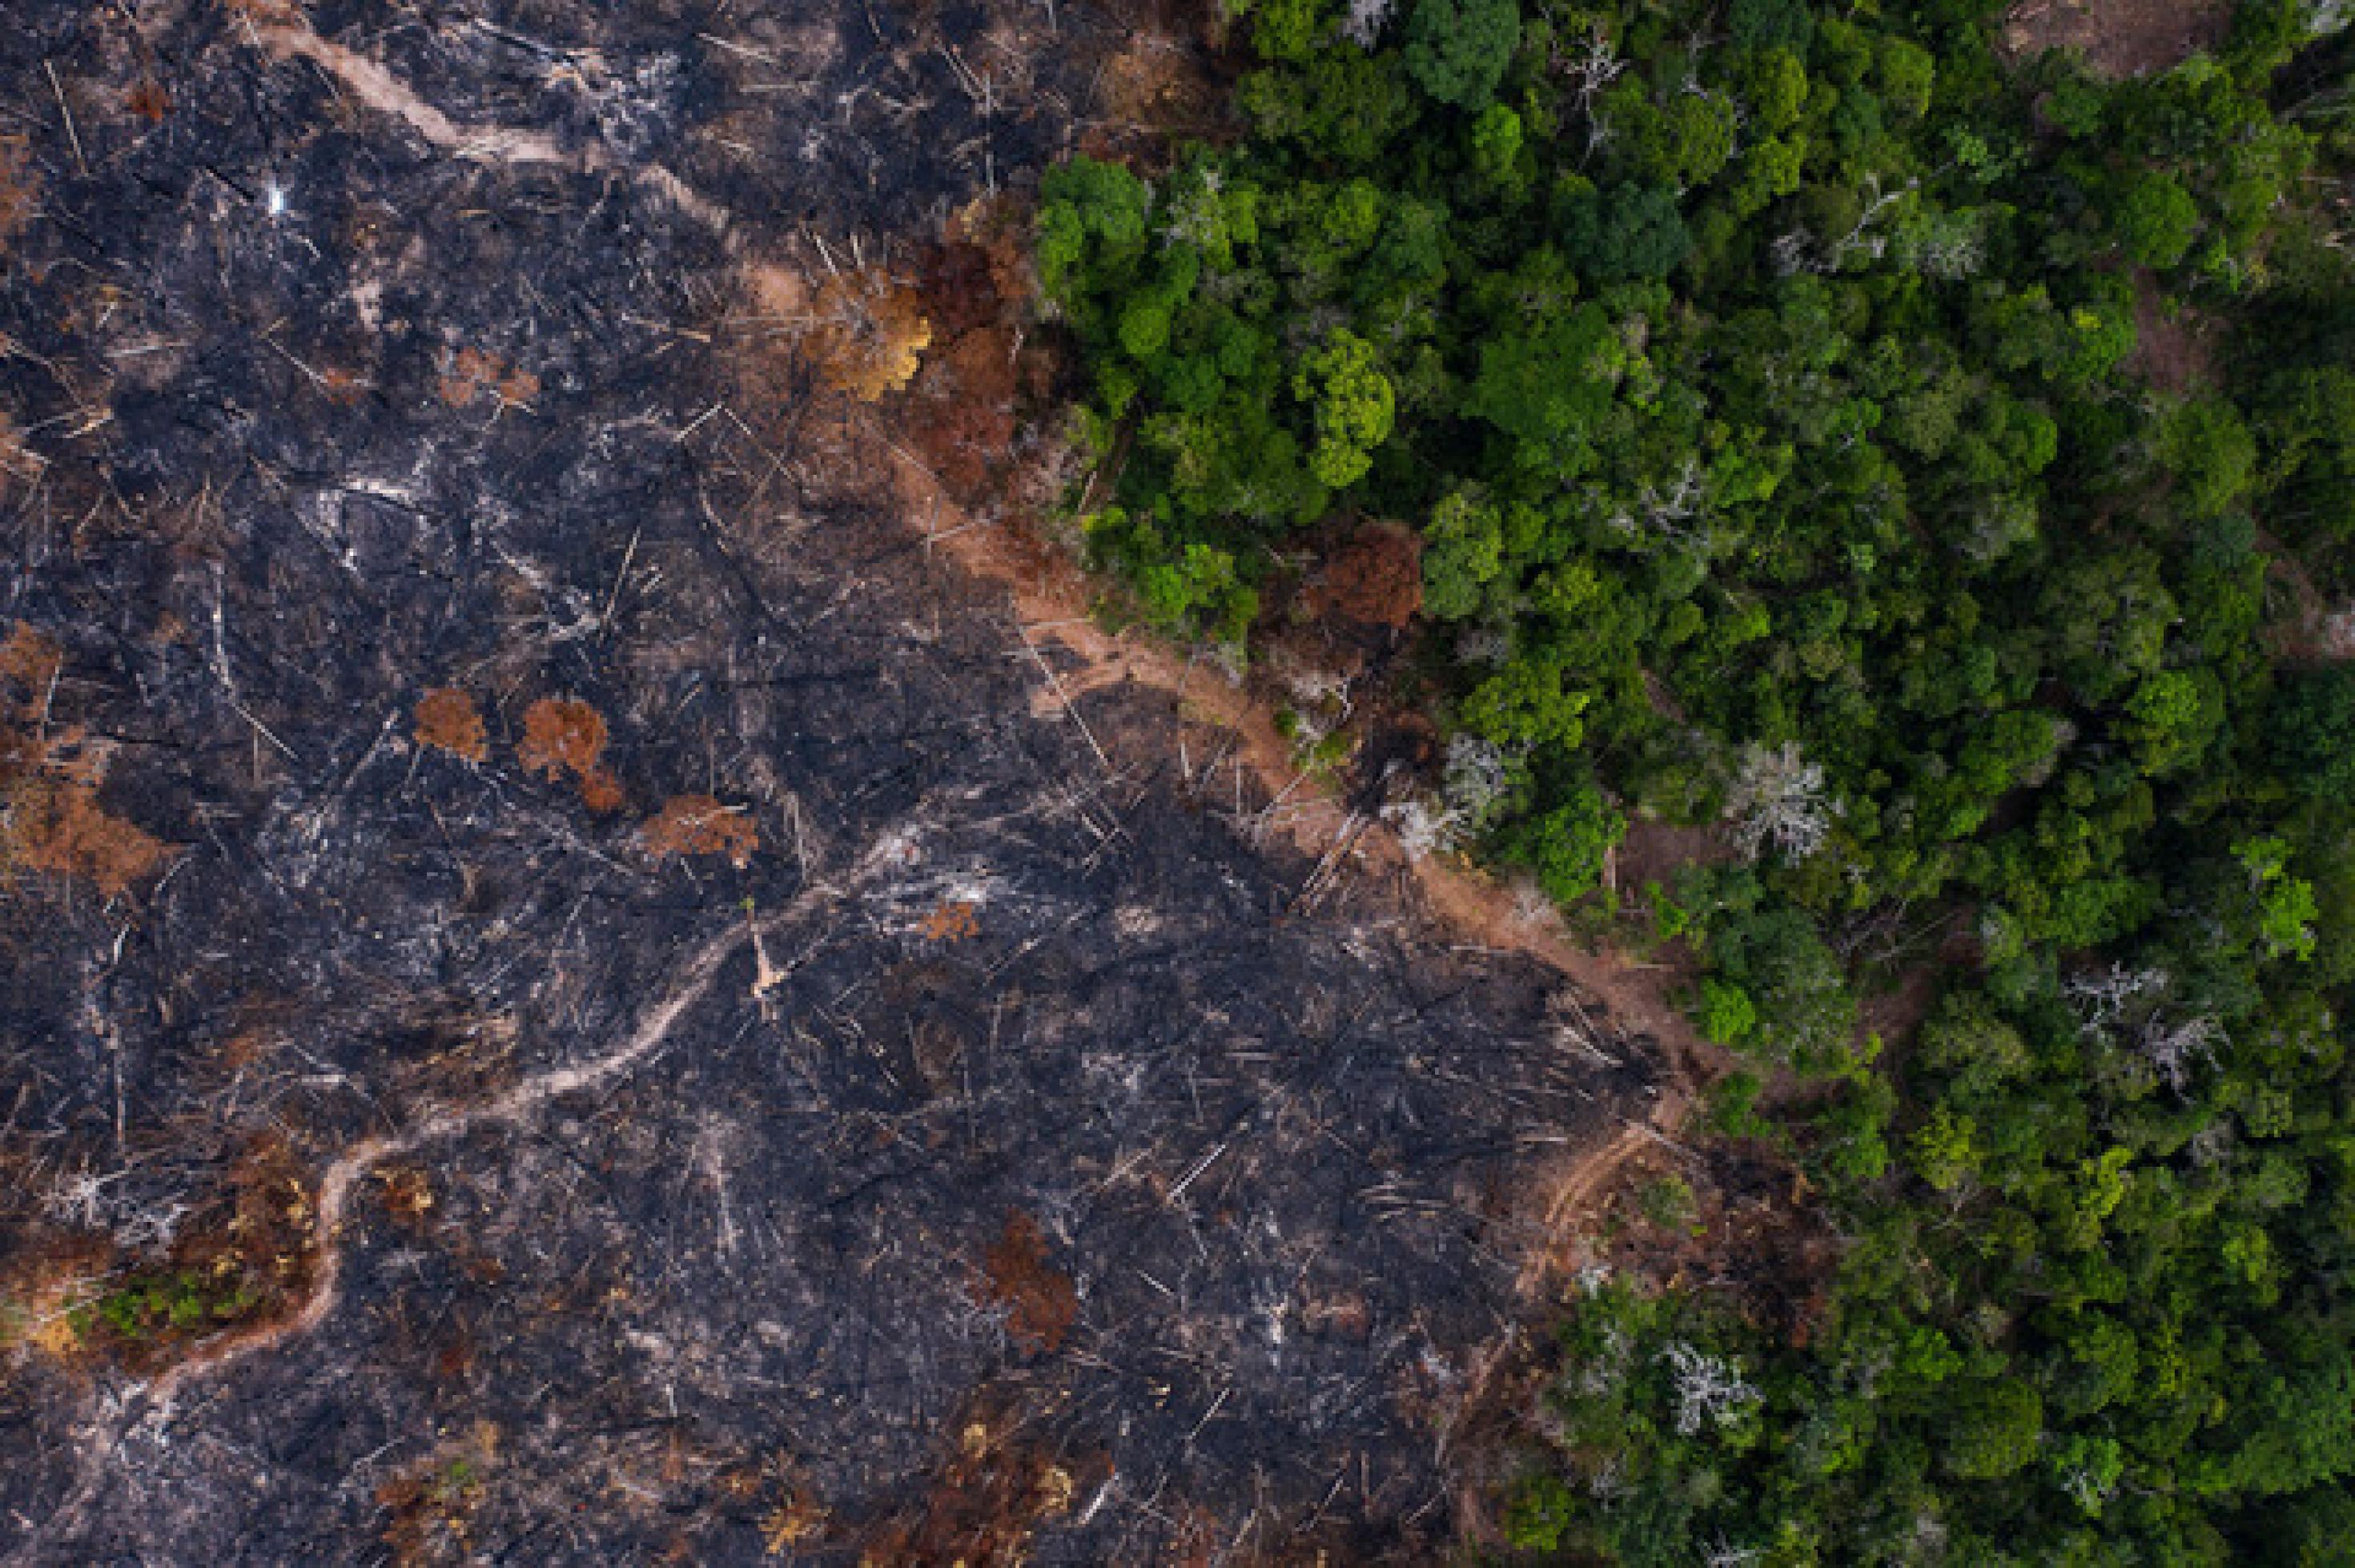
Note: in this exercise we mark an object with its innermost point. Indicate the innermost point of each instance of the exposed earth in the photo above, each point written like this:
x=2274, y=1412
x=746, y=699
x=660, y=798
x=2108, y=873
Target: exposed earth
x=2118, y=38
x=575, y=983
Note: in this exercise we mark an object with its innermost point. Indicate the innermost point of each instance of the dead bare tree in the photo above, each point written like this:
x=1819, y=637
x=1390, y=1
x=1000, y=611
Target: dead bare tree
x=1591, y=65
x=2102, y=996
x=1363, y=25
x=1710, y=1389
x=1800, y=251
x=2129, y=1006
x=1779, y=799
x=1676, y=515
x=2174, y=1046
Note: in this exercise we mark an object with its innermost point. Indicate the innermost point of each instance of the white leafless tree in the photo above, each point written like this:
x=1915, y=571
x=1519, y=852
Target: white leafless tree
x=2175, y=1045
x=1678, y=514
x=1945, y=245
x=1194, y=217
x=1363, y=26
x=1423, y=827
x=1877, y=204
x=1474, y=782
x=2101, y=996
x=1591, y=64
x=2089, y=1493
x=1710, y=1389
x=1800, y=251
x=1779, y=799
x=1475, y=778
x=2129, y=1005
x=1794, y=252
x=87, y=1201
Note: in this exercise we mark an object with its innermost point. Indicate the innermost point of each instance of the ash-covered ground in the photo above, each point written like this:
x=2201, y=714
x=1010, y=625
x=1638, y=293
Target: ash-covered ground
x=776, y=1085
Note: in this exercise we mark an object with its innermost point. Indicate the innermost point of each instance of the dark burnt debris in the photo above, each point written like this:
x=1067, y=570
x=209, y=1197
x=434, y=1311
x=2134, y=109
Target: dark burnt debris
x=1020, y=1175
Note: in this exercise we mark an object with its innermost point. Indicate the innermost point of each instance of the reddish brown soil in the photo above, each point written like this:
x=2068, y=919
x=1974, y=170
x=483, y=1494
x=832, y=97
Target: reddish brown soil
x=474, y=375
x=2173, y=351
x=1655, y=851
x=2308, y=628
x=2117, y=37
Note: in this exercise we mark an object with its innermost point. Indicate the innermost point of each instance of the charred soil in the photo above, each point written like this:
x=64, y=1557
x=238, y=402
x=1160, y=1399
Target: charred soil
x=575, y=985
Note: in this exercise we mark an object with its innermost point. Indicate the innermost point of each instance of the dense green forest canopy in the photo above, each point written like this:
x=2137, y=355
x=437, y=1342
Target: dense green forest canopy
x=1774, y=388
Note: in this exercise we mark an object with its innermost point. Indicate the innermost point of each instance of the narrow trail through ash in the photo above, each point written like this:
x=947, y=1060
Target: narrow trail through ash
x=1062, y=1183
x=151, y=1405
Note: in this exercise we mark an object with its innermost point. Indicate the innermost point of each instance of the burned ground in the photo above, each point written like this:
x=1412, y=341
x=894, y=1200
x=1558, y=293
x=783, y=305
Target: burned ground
x=644, y=1035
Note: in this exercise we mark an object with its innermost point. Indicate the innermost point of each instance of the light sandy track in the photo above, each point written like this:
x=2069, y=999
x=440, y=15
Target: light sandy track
x=1053, y=604
x=373, y=84
x=141, y=1405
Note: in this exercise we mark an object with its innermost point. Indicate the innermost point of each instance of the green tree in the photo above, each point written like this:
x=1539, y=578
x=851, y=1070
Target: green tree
x=1458, y=49
x=1628, y=232
x=2212, y=453
x=2311, y=730
x=1993, y=1429
x=1354, y=406
x=1463, y=551
x=1566, y=846
x=1552, y=387
x=2157, y=220
x=1081, y=201
x=1786, y=25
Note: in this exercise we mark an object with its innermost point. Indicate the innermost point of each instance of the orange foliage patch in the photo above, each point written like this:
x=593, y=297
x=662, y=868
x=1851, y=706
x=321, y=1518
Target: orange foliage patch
x=474, y=373
x=408, y=1195
x=986, y=1502
x=447, y=722
x=789, y=1524
x=49, y=816
x=564, y=735
x=343, y=388
x=962, y=419
x=20, y=189
x=53, y=822
x=699, y=824
x=1043, y=1304
x=47, y=1289
x=150, y=102
x=952, y=921
x=29, y=662
x=871, y=335
x=1376, y=577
